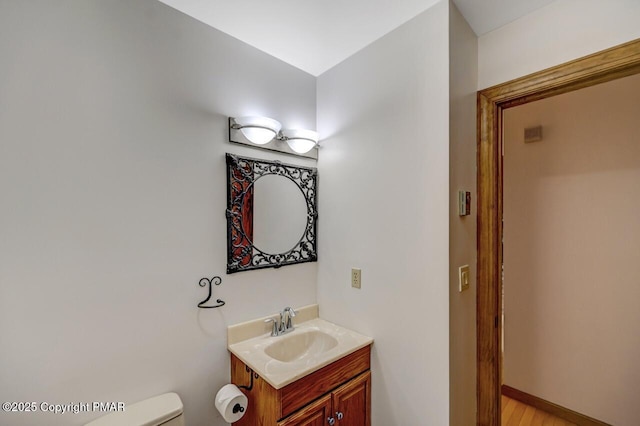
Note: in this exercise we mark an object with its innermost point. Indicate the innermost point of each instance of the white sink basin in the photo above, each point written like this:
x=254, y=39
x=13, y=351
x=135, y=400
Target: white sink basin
x=296, y=347
x=281, y=360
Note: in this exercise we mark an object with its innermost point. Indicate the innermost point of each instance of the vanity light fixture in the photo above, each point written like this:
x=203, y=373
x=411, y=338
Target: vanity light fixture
x=259, y=130
x=300, y=140
x=265, y=133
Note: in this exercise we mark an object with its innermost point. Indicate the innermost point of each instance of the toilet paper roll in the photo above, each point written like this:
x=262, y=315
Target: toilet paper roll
x=231, y=403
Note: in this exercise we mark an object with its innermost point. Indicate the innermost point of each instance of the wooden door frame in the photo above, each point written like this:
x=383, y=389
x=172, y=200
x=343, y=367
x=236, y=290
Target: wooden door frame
x=610, y=64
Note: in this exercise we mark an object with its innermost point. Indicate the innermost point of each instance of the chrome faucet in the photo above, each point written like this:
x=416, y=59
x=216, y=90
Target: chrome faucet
x=275, y=328
x=284, y=325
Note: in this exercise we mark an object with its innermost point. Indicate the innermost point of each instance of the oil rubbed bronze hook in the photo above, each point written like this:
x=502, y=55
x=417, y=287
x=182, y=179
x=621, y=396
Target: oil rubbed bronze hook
x=203, y=282
x=252, y=374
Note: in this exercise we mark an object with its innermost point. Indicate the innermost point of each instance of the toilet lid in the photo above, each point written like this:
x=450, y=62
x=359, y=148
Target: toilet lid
x=150, y=412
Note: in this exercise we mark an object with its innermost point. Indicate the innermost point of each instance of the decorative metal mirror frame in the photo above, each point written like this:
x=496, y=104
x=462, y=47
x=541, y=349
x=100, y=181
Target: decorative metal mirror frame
x=242, y=173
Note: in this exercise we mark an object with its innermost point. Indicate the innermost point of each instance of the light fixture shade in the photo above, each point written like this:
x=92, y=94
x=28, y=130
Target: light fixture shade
x=300, y=140
x=259, y=130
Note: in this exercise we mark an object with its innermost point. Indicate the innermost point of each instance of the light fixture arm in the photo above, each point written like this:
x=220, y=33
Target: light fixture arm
x=284, y=138
x=239, y=127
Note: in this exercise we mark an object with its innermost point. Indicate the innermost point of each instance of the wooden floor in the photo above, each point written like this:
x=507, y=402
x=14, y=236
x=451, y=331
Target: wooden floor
x=515, y=413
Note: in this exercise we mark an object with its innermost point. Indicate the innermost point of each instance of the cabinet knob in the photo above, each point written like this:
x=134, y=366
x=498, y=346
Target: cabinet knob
x=339, y=415
x=331, y=421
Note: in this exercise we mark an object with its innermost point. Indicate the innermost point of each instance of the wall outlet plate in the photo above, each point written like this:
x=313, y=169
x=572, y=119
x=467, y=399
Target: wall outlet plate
x=463, y=278
x=356, y=278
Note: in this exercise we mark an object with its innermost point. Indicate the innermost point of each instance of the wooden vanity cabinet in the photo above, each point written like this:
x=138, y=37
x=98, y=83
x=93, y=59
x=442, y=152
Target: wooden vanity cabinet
x=348, y=406
x=315, y=414
x=340, y=390
x=353, y=401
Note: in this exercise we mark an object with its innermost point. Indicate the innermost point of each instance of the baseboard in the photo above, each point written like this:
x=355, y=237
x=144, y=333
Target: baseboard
x=551, y=408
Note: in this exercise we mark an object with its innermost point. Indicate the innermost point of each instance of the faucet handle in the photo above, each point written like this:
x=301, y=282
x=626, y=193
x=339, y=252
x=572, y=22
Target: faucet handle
x=287, y=325
x=274, y=327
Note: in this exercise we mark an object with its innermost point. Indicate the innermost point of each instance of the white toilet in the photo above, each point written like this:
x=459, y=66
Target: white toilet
x=165, y=410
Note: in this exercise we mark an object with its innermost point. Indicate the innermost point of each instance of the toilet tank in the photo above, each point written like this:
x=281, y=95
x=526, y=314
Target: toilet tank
x=165, y=410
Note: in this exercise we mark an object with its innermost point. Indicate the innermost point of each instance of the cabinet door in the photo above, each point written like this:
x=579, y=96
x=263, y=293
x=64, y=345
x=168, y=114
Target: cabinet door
x=352, y=402
x=314, y=414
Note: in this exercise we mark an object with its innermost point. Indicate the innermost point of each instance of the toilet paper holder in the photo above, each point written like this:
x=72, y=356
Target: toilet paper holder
x=203, y=282
x=231, y=403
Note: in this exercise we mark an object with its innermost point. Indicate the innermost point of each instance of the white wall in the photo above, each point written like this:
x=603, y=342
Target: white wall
x=572, y=245
x=463, y=72
x=562, y=31
x=384, y=170
x=113, y=128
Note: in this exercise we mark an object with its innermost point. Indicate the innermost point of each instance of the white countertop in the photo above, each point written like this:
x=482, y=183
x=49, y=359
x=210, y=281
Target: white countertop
x=278, y=374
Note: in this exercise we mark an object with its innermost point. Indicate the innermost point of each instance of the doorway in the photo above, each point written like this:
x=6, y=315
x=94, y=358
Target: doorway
x=608, y=65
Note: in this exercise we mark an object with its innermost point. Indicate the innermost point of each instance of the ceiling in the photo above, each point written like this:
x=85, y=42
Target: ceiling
x=315, y=35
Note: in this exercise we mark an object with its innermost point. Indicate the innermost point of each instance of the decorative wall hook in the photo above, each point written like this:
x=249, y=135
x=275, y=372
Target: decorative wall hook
x=252, y=374
x=203, y=282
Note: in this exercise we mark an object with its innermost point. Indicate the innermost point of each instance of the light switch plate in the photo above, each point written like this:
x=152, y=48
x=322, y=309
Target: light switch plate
x=464, y=203
x=463, y=278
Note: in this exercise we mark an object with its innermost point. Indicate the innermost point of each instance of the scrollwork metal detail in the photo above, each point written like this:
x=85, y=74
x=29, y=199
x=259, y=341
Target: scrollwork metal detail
x=242, y=255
